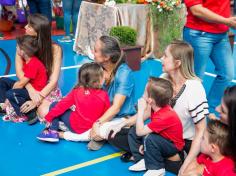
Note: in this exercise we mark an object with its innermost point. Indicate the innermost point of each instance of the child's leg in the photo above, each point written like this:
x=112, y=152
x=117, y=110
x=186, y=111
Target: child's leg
x=65, y=118
x=156, y=150
x=16, y=98
x=5, y=85
x=68, y=135
x=134, y=143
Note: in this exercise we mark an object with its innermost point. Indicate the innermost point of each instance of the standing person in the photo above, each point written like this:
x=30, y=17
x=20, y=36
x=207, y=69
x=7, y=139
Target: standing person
x=213, y=159
x=189, y=101
x=86, y=94
x=71, y=11
x=206, y=30
x=162, y=136
x=34, y=73
x=119, y=83
x=42, y=7
x=51, y=56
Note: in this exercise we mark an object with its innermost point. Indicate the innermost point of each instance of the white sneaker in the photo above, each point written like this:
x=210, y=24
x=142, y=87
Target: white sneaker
x=159, y=172
x=139, y=166
x=65, y=39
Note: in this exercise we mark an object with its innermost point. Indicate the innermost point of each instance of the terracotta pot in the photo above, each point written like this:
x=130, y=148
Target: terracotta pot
x=6, y=25
x=133, y=56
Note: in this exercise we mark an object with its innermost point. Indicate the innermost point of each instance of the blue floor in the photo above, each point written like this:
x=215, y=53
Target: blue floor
x=22, y=154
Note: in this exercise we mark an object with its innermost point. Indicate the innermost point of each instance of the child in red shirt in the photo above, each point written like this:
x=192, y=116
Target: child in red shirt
x=35, y=74
x=90, y=103
x=212, y=160
x=163, y=136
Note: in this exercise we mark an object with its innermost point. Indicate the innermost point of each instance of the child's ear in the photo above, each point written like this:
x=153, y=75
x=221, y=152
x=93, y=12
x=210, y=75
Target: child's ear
x=149, y=100
x=214, y=148
x=177, y=63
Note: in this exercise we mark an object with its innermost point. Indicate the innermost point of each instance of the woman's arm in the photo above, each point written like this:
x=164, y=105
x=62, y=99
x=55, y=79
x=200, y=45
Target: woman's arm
x=195, y=146
x=53, y=79
x=208, y=15
x=19, y=66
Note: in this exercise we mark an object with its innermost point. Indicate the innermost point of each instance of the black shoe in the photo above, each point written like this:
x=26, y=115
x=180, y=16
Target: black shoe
x=2, y=111
x=126, y=157
x=173, y=166
x=32, y=117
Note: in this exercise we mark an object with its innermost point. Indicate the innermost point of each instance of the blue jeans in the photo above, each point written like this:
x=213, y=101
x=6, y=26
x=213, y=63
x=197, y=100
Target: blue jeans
x=6, y=84
x=65, y=117
x=17, y=97
x=71, y=11
x=41, y=6
x=217, y=48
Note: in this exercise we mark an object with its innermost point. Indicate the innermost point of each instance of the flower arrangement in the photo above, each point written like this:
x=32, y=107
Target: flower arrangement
x=165, y=5
x=167, y=20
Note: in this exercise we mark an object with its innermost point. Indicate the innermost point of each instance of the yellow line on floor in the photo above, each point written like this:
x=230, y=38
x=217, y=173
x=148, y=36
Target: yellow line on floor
x=81, y=165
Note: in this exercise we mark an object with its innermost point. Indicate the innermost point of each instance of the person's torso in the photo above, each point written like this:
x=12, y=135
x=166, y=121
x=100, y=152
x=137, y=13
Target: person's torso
x=221, y=168
x=123, y=83
x=90, y=106
x=182, y=106
x=36, y=72
x=220, y=7
x=168, y=125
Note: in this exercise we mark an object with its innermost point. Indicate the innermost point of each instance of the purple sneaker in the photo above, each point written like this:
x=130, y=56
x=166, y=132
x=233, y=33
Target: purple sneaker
x=48, y=136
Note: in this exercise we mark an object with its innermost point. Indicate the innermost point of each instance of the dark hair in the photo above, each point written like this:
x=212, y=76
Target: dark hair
x=42, y=26
x=28, y=44
x=230, y=102
x=160, y=90
x=218, y=134
x=111, y=48
x=90, y=75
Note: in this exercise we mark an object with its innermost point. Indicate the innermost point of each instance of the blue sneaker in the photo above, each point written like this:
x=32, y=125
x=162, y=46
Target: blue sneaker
x=49, y=136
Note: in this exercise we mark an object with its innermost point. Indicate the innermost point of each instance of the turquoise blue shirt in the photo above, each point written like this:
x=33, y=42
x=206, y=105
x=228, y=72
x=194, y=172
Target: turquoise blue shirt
x=123, y=84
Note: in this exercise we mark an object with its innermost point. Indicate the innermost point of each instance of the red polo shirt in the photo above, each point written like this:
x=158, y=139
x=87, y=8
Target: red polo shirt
x=167, y=123
x=220, y=7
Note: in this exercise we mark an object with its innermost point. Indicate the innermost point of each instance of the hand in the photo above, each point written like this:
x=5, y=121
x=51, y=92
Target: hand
x=142, y=105
x=212, y=116
x=17, y=85
x=94, y=133
x=27, y=106
x=35, y=96
x=231, y=22
x=182, y=170
x=141, y=150
x=114, y=129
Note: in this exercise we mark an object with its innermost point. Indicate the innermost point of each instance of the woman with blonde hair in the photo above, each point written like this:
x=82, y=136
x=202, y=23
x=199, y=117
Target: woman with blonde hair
x=189, y=101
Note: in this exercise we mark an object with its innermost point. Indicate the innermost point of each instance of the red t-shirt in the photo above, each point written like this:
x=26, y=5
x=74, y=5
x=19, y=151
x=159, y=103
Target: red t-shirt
x=223, y=167
x=36, y=72
x=167, y=123
x=220, y=7
x=90, y=106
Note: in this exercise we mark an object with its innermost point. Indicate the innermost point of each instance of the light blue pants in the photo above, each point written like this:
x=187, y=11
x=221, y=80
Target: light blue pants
x=71, y=11
x=217, y=48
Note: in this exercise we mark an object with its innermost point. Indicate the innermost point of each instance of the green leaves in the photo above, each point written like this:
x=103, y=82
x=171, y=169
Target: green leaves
x=125, y=34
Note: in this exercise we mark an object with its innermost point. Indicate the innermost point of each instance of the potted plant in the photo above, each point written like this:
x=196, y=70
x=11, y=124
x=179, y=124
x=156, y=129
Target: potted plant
x=127, y=37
